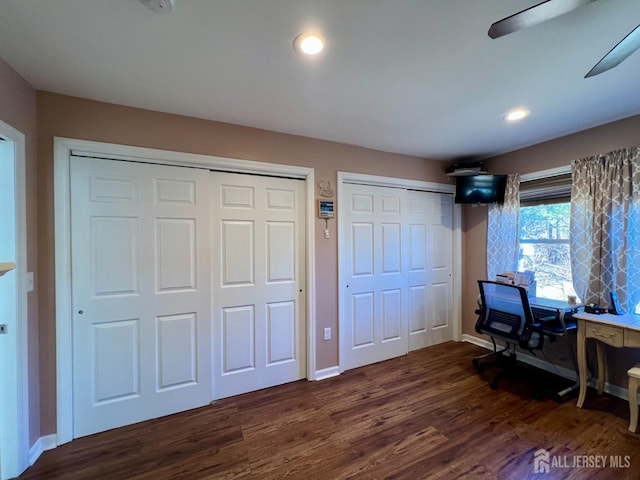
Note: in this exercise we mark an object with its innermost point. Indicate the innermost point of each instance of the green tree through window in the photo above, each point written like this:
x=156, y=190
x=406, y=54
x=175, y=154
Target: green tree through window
x=544, y=248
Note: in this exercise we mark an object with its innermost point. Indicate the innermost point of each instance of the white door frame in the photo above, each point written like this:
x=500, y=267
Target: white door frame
x=63, y=147
x=14, y=384
x=380, y=181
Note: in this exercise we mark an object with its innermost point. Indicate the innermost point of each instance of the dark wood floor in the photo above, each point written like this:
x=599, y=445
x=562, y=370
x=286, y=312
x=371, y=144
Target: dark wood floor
x=425, y=415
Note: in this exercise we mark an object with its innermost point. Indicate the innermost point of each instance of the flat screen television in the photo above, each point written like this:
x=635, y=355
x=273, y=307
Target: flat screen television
x=480, y=189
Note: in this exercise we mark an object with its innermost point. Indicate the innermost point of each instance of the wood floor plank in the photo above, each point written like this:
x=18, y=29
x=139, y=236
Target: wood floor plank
x=384, y=458
x=424, y=415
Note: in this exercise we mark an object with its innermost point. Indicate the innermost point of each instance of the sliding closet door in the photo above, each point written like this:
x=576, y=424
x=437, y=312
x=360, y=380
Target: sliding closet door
x=373, y=324
x=430, y=243
x=187, y=285
x=141, y=292
x=259, y=289
x=396, y=264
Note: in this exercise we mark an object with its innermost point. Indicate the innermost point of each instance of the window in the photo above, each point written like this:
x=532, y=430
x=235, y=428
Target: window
x=543, y=233
x=544, y=248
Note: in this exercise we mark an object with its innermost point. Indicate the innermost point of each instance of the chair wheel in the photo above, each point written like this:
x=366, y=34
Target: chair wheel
x=537, y=396
x=494, y=385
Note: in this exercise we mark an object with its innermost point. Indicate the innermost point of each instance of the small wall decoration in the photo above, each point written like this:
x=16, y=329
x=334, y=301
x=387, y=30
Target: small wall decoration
x=325, y=209
x=325, y=188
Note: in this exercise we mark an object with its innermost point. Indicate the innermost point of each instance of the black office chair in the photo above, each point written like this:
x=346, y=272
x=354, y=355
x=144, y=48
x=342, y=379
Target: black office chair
x=504, y=314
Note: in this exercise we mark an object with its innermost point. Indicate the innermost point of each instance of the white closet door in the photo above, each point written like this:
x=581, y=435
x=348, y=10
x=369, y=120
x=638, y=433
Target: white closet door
x=440, y=266
x=259, y=293
x=374, y=321
x=141, y=292
x=430, y=247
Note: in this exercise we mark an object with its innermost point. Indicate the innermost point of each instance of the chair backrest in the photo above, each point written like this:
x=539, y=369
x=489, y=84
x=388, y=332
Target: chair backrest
x=505, y=313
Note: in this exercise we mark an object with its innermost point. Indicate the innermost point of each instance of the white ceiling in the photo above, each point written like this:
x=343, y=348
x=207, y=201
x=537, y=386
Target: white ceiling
x=419, y=77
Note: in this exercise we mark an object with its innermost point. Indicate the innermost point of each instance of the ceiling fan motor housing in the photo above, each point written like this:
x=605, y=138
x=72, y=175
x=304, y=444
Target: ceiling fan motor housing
x=159, y=6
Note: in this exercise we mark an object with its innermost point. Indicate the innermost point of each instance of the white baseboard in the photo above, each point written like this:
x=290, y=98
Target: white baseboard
x=567, y=373
x=327, y=373
x=43, y=444
x=617, y=391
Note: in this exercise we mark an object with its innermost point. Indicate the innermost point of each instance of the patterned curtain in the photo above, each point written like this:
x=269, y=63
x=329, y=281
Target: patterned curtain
x=502, y=230
x=605, y=227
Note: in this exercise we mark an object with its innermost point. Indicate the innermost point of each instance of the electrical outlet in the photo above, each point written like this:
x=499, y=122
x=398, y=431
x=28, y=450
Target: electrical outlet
x=3, y=329
x=327, y=333
x=327, y=234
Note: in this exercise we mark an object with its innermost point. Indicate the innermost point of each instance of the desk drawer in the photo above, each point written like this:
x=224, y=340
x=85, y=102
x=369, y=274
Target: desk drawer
x=632, y=338
x=610, y=335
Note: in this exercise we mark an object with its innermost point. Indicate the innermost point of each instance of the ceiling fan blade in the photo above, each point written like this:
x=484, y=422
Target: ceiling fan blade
x=617, y=54
x=533, y=15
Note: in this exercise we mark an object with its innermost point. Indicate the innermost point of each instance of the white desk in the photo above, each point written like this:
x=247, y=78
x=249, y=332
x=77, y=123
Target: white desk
x=560, y=306
x=615, y=330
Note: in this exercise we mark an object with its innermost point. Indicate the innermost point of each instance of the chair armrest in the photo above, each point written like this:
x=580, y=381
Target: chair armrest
x=536, y=327
x=555, y=327
x=571, y=325
x=532, y=337
x=481, y=312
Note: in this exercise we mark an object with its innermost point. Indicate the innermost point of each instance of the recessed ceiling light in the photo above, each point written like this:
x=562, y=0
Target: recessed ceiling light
x=308, y=44
x=516, y=114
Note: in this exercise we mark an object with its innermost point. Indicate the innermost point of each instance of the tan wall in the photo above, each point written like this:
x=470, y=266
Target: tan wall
x=89, y=120
x=18, y=109
x=552, y=154
x=474, y=261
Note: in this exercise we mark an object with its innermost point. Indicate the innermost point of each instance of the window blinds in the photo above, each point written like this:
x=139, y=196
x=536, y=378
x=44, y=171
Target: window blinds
x=555, y=189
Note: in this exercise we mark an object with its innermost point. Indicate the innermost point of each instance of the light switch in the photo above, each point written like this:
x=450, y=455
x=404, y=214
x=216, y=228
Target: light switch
x=327, y=333
x=30, y=282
